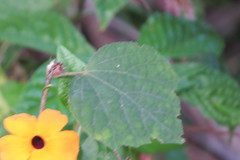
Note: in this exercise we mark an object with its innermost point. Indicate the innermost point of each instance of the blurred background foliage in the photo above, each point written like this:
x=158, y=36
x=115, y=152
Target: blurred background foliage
x=199, y=37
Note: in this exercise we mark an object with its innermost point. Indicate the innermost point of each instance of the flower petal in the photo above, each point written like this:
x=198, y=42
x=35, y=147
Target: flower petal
x=63, y=146
x=14, y=148
x=66, y=144
x=20, y=124
x=50, y=122
x=41, y=154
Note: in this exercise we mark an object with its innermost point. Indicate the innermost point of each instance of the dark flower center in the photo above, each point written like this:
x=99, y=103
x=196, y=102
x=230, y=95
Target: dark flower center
x=37, y=142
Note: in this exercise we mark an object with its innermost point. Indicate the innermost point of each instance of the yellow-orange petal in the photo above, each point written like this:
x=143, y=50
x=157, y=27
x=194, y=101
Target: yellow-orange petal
x=50, y=122
x=65, y=143
x=63, y=146
x=41, y=155
x=14, y=148
x=20, y=124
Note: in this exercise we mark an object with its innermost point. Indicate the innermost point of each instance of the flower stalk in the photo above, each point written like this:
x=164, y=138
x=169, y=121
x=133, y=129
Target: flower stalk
x=54, y=70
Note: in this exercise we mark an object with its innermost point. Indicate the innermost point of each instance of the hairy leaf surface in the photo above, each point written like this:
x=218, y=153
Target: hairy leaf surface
x=126, y=97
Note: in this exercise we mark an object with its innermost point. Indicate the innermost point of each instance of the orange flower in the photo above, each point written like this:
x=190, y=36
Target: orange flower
x=38, y=139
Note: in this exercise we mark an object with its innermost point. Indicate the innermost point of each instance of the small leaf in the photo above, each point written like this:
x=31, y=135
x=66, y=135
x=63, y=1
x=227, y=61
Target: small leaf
x=89, y=149
x=93, y=150
x=72, y=64
x=106, y=10
x=105, y=153
x=215, y=93
x=126, y=97
x=177, y=37
x=44, y=31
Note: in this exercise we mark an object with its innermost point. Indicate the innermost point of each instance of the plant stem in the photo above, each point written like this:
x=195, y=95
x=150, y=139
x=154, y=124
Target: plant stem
x=67, y=74
x=54, y=70
x=45, y=91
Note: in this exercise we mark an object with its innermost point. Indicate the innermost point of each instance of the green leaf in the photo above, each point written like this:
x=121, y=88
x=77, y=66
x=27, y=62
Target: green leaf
x=126, y=97
x=105, y=153
x=215, y=93
x=9, y=96
x=11, y=54
x=89, y=149
x=93, y=150
x=3, y=132
x=44, y=31
x=4, y=107
x=3, y=77
x=106, y=9
x=156, y=147
x=8, y=7
x=177, y=37
x=72, y=64
x=32, y=92
x=11, y=92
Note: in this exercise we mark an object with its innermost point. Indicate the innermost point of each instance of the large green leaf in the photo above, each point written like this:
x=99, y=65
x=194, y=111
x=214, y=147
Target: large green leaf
x=106, y=10
x=126, y=97
x=73, y=64
x=44, y=31
x=215, y=93
x=176, y=37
